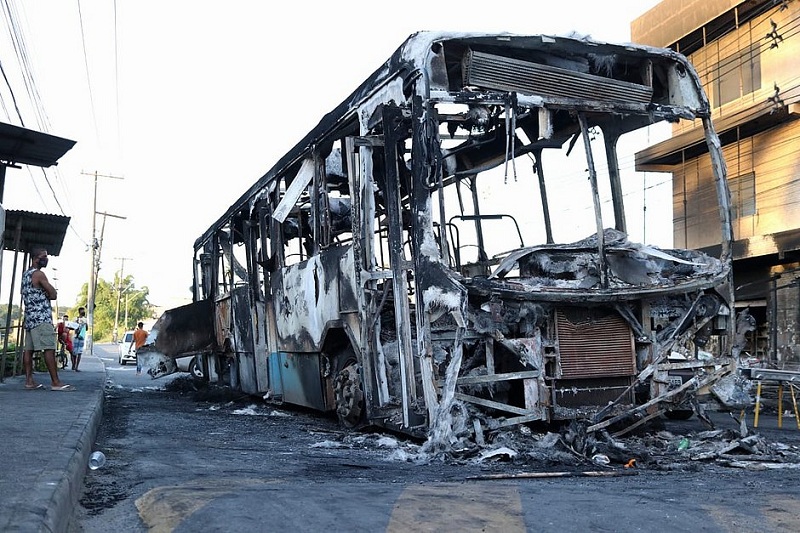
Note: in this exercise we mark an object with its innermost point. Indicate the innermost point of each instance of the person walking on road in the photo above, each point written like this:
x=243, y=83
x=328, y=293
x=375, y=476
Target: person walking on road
x=77, y=342
x=37, y=292
x=139, y=338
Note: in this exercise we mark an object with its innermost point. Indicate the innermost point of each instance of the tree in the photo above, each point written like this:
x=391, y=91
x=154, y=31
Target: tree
x=16, y=314
x=105, y=306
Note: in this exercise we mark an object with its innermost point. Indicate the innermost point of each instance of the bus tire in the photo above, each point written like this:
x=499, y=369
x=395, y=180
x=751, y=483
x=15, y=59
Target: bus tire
x=348, y=391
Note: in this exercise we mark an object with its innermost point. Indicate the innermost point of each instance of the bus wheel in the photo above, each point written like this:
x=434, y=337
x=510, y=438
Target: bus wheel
x=348, y=392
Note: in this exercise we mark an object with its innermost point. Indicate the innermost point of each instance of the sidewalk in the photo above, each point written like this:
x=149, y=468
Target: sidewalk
x=46, y=438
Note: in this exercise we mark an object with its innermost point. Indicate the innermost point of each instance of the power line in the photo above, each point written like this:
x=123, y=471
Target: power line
x=86, y=66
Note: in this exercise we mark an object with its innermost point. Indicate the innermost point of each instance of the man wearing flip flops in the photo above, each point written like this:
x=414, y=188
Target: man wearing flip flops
x=39, y=333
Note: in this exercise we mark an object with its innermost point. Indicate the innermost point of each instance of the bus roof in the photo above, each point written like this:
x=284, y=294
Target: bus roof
x=411, y=57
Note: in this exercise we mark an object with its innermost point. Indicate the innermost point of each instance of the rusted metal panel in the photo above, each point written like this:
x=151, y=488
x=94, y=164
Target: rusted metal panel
x=595, y=346
x=575, y=398
x=223, y=320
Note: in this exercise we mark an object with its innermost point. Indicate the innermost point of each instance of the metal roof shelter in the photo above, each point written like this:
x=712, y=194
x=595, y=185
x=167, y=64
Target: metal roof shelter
x=47, y=231
x=23, y=229
x=21, y=146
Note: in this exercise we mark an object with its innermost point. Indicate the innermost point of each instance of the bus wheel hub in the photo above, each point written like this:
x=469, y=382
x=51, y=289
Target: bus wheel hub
x=349, y=396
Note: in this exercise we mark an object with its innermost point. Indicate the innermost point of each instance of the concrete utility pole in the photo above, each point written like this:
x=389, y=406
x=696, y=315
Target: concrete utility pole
x=55, y=286
x=89, y=343
x=119, y=295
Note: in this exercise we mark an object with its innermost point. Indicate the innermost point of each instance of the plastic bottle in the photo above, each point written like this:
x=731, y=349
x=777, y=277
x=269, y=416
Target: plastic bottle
x=683, y=444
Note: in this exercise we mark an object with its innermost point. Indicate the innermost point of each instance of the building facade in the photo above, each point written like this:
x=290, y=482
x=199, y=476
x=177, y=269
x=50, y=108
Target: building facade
x=747, y=54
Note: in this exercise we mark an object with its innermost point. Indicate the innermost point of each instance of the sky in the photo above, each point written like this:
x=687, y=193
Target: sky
x=180, y=105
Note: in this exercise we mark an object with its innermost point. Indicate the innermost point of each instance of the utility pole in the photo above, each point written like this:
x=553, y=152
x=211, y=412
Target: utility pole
x=55, y=286
x=89, y=346
x=119, y=295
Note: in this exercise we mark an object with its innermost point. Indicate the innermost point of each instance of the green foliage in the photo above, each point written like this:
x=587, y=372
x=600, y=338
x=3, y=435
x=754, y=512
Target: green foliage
x=10, y=355
x=15, y=314
x=107, y=297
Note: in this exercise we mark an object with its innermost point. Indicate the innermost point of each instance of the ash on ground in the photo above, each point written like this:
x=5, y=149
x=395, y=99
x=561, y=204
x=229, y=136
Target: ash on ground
x=682, y=447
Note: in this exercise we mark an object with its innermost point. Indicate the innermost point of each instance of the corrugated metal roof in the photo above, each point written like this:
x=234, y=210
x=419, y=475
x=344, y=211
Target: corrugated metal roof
x=22, y=146
x=38, y=229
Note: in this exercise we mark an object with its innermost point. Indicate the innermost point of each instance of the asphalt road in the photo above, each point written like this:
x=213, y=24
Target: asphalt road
x=186, y=460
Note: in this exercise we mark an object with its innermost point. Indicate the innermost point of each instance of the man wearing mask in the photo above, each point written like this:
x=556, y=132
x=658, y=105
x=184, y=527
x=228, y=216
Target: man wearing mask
x=37, y=292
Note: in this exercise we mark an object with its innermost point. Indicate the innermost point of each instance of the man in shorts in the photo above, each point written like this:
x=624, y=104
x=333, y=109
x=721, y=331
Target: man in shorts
x=80, y=336
x=39, y=332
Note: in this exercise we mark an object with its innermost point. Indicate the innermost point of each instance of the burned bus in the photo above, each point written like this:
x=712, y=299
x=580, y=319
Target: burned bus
x=421, y=255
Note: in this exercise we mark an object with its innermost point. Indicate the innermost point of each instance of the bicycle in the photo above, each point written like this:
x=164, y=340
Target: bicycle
x=62, y=357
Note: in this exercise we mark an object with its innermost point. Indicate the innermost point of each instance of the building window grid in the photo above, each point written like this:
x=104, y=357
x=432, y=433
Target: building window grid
x=743, y=195
x=737, y=75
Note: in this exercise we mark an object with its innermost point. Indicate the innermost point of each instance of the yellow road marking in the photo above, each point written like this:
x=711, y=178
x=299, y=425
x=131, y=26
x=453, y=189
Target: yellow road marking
x=162, y=509
x=457, y=507
x=776, y=514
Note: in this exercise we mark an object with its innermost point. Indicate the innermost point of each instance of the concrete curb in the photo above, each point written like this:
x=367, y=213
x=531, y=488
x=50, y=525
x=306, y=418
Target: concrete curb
x=49, y=437
x=66, y=494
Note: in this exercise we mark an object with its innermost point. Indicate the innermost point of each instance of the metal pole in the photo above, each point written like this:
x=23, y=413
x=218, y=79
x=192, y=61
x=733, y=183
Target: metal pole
x=90, y=291
x=55, y=286
x=127, y=298
x=773, y=319
x=17, y=236
x=119, y=296
x=89, y=343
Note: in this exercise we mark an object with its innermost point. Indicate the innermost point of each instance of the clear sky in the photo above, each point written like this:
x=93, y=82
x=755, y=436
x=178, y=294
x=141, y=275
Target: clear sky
x=191, y=101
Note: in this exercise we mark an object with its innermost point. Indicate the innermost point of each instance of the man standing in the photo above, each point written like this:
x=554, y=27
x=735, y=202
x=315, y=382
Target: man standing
x=139, y=338
x=39, y=333
x=77, y=342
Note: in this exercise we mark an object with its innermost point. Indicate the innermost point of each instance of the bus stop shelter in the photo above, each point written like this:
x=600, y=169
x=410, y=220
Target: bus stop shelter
x=24, y=229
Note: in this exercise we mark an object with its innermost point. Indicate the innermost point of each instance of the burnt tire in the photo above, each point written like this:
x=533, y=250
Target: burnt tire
x=679, y=414
x=348, y=392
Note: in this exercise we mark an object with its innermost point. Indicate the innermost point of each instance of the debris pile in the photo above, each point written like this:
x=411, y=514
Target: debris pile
x=661, y=450
x=575, y=449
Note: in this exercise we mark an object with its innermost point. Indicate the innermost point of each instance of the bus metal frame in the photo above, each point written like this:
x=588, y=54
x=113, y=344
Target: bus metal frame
x=339, y=282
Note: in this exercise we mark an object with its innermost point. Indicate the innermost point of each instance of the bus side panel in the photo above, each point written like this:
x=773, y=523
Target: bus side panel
x=242, y=325
x=260, y=348
x=300, y=379
x=348, y=295
x=275, y=376
x=309, y=301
